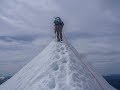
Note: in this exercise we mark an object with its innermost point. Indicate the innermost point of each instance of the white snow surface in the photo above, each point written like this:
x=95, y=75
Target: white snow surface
x=58, y=67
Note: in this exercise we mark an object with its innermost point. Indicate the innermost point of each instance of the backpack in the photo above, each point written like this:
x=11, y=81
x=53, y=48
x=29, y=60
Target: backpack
x=57, y=21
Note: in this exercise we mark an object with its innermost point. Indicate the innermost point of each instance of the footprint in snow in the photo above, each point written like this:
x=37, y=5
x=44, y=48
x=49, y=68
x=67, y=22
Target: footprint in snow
x=54, y=66
x=64, y=61
x=57, y=56
x=51, y=83
x=62, y=53
x=58, y=50
x=62, y=48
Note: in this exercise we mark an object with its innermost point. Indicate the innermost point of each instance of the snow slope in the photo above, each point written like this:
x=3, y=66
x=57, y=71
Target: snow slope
x=57, y=67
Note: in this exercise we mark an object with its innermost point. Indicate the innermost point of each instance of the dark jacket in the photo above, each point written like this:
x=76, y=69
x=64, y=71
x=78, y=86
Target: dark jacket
x=58, y=23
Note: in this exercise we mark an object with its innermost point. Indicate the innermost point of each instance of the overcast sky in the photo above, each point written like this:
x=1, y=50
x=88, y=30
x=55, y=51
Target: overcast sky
x=91, y=26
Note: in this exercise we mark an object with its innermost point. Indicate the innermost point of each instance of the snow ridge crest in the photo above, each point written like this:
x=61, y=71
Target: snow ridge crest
x=57, y=67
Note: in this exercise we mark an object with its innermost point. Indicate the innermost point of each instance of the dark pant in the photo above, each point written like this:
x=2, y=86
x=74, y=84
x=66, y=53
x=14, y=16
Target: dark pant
x=59, y=34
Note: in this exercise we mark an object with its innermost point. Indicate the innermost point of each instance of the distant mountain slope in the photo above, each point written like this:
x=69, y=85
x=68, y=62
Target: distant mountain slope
x=113, y=80
x=3, y=79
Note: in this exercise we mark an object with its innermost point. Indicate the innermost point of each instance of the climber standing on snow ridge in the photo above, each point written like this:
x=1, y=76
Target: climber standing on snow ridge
x=58, y=28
